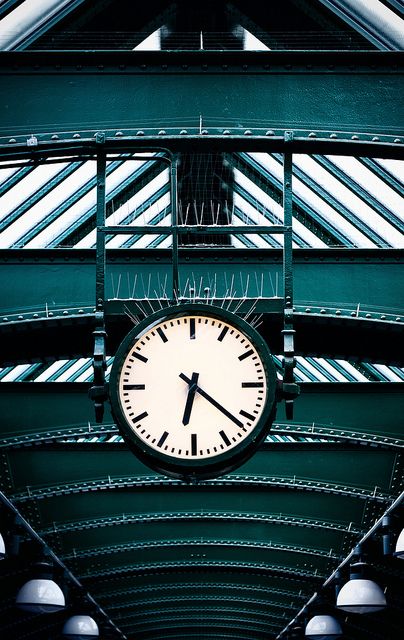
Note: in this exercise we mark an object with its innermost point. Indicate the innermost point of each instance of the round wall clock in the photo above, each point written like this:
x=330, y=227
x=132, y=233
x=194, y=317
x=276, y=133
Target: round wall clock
x=192, y=389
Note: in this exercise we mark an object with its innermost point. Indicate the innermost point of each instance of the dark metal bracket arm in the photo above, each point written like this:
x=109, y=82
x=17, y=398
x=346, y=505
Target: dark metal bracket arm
x=288, y=389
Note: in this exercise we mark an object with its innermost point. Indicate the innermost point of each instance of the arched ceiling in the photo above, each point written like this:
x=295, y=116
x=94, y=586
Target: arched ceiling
x=238, y=556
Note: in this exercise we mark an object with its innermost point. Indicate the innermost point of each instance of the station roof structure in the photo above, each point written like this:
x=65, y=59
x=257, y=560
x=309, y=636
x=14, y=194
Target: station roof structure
x=230, y=89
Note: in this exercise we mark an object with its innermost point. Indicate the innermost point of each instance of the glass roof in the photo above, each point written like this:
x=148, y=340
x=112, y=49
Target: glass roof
x=307, y=369
x=339, y=201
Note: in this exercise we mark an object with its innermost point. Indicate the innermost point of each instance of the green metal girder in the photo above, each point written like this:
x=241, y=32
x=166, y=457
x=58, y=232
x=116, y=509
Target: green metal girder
x=147, y=88
x=64, y=278
x=56, y=408
x=340, y=467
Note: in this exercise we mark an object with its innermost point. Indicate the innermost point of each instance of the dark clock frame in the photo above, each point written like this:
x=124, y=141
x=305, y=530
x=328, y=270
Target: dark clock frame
x=226, y=461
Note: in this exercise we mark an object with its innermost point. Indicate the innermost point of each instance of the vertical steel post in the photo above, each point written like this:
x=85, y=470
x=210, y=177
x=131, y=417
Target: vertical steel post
x=98, y=390
x=290, y=389
x=174, y=225
x=287, y=221
x=100, y=237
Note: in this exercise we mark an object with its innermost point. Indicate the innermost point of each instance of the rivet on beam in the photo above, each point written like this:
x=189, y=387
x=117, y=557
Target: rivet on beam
x=333, y=135
x=183, y=132
x=354, y=137
x=119, y=134
x=375, y=139
x=140, y=133
x=226, y=132
x=162, y=132
x=55, y=137
x=312, y=134
x=269, y=133
x=76, y=135
x=204, y=132
x=12, y=140
x=397, y=140
x=338, y=312
x=247, y=132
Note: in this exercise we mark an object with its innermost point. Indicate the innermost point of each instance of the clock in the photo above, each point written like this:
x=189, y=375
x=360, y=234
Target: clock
x=192, y=390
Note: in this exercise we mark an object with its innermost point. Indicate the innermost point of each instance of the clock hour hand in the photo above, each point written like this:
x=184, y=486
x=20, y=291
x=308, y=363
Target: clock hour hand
x=212, y=401
x=193, y=383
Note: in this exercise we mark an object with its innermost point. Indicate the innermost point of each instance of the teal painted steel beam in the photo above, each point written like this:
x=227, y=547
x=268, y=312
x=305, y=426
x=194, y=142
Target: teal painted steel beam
x=63, y=277
x=357, y=409
x=331, y=90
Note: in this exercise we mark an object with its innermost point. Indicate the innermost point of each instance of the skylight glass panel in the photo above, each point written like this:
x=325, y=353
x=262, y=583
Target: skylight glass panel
x=387, y=372
x=5, y=174
x=353, y=235
x=371, y=183
x=327, y=366
x=151, y=43
x=128, y=208
x=144, y=217
x=352, y=370
x=275, y=209
x=251, y=42
x=75, y=366
x=79, y=209
x=27, y=187
x=395, y=167
x=51, y=370
x=320, y=377
x=16, y=372
x=349, y=199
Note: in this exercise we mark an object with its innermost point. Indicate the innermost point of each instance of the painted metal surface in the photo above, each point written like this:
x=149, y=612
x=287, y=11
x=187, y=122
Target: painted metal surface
x=147, y=87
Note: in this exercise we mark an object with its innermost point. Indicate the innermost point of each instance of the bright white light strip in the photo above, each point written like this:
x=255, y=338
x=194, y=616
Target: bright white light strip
x=134, y=203
x=264, y=199
x=348, y=198
x=82, y=206
x=316, y=203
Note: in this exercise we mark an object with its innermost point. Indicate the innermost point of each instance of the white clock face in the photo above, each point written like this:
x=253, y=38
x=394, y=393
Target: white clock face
x=192, y=387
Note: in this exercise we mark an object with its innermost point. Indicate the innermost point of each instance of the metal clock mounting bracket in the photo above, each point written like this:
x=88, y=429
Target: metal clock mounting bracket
x=287, y=389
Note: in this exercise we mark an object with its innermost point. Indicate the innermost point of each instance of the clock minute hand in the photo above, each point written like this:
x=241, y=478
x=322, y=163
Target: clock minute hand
x=190, y=398
x=212, y=401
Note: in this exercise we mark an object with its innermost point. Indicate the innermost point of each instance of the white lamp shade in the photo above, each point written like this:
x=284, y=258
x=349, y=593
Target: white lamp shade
x=361, y=596
x=40, y=596
x=80, y=628
x=2, y=547
x=400, y=546
x=323, y=628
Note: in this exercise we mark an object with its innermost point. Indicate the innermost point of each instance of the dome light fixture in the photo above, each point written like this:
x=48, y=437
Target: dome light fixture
x=41, y=594
x=323, y=628
x=399, y=552
x=80, y=627
x=360, y=595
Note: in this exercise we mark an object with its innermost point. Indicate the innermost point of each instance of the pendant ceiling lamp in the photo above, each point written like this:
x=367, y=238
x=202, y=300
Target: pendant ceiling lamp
x=322, y=628
x=41, y=594
x=399, y=552
x=360, y=595
x=80, y=627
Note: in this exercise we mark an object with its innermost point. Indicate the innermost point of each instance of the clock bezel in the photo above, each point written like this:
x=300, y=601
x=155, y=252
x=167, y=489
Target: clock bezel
x=190, y=469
